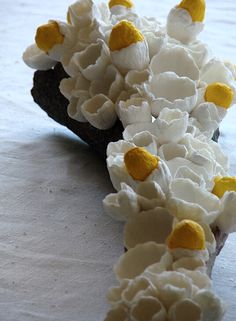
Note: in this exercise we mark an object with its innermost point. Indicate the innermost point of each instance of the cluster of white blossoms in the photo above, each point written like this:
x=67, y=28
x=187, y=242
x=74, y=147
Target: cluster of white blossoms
x=171, y=179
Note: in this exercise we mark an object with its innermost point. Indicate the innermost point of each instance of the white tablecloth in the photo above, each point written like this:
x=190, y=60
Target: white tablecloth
x=57, y=247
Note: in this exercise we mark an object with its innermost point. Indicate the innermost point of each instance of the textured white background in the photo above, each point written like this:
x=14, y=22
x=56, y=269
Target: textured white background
x=57, y=247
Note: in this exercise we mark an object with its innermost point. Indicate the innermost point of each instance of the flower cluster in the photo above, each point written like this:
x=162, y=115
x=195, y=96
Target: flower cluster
x=124, y=66
x=171, y=179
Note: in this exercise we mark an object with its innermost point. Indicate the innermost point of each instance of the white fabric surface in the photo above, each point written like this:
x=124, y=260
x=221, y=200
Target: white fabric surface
x=57, y=247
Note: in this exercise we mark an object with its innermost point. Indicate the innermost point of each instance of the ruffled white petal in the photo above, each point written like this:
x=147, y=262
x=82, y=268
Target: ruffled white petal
x=170, y=90
x=129, y=264
x=37, y=59
x=175, y=59
x=154, y=225
x=99, y=112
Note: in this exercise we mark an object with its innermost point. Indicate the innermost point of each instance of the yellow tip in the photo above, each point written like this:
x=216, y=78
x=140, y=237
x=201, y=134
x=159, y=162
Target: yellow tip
x=196, y=9
x=224, y=184
x=187, y=234
x=48, y=35
x=140, y=163
x=220, y=94
x=123, y=35
x=126, y=3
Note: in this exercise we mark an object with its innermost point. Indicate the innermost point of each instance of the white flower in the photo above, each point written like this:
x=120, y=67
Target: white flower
x=134, y=110
x=127, y=203
x=189, y=201
x=82, y=13
x=182, y=95
x=207, y=117
x=170, y=126
x=110, y=84
x=184, y=23
x=135, y=78
x=55, y=38
x=37, y=59
x=128, y=47
x=155, y=40
x=99, y=111
x=92, y=61
x=176, y=59
x=133, y=165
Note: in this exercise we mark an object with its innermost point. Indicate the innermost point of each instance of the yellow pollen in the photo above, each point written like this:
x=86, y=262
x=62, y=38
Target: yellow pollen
x=187, y=234
x=123, y=35
x=140, y=163
x=220, y=94
x=224, y=184
x=48, y=35
x=196, y=9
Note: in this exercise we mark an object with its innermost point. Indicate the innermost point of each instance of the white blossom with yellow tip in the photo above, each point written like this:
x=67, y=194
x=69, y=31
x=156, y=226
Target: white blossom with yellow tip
x=128, y=47
x=185, y=21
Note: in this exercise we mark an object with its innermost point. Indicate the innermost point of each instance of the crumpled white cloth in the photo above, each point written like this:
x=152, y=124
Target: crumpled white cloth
x=57, y=247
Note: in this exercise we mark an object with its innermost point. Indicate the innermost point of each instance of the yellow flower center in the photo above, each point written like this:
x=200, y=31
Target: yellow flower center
x=140, y=163
x=224, y=184
x=196, y=9
x=48, y=35
x=123, y=35
x=187, y=234
x=220, y=94
x=126, y=3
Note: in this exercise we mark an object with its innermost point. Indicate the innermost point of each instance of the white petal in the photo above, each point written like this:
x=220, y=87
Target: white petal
x=83, y=12
x=93, y=60
x=134, y=110
x=189, y=263
x=212, y=307
x=155, y=40
x=111, y=84
x=208, y=115
x=118, y=312
x=37, y=59
x=154, y=225
x=176, y=59
x=135, y=78
x=130, y=265
x=216, y=71
x=74, y=107
x=183, y=93
x=181, y=27
x=133, y=57
x=137, y=288
x=99, y=112
x=173, y=286
x=171, y=125
x=189, y=201
x=114, y=293
x=133, y=129
x=119, y=147
x=122, y=205
x=148, y=309
x=172, y=150
x=227, y=217
x=182, y=310
x=146, y=140
x=186, y=172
